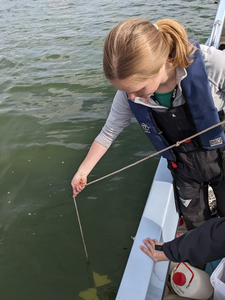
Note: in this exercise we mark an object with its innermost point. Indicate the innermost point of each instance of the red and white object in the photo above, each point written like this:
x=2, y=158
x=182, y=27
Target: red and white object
x=191, y=282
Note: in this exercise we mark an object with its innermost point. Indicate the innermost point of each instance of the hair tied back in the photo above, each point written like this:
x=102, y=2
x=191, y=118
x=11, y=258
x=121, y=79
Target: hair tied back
x=156, y=26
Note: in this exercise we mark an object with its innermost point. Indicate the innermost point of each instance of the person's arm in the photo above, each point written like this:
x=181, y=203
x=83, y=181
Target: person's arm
x=119, y=117
x=198, y=246
x=215, y=67
x=80, y=178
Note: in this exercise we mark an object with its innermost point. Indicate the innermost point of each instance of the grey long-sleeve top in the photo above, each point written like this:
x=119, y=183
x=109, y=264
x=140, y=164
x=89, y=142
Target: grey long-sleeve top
x=120, y=114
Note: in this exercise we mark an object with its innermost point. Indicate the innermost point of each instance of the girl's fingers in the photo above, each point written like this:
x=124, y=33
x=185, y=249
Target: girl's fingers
x=77, y=189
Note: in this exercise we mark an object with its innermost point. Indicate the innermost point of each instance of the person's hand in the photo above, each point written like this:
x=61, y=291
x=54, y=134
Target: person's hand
x=78, y=183
x=150, y=250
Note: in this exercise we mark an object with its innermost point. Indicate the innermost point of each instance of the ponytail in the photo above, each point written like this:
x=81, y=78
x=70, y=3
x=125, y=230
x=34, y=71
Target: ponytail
x=175, y=37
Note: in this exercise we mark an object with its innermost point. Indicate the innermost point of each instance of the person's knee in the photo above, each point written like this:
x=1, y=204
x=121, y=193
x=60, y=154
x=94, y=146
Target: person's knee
x=192, y=223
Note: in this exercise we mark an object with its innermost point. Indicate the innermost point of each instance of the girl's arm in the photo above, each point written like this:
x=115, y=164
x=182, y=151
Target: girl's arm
x=80, y=178
x=119, y=117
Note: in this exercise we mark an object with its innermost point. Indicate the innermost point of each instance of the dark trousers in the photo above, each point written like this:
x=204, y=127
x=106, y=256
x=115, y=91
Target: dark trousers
x=196, y=170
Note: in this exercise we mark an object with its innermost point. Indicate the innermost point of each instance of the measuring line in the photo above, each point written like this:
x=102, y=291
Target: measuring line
x=81, y=231
x=177, y=144
x=156, y=153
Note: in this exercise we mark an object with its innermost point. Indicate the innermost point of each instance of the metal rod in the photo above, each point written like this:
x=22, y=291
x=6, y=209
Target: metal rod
x=81, y=231
x=216, y=26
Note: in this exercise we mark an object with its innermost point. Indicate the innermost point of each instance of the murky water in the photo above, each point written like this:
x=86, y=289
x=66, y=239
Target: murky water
x=54, y=101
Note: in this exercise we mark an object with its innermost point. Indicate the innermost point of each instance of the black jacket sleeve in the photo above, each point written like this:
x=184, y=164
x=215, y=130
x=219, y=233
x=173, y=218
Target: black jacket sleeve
x=199, y=246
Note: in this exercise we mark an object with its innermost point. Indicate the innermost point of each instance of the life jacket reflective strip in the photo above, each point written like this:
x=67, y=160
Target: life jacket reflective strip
x=199, y=99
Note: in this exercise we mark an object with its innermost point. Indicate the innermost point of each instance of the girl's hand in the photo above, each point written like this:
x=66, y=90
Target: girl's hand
x=80, y=178
x=78, y=183
x=150, y=250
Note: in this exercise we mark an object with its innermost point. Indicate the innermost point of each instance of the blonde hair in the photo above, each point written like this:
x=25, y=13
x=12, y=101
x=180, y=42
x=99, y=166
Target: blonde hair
x=137, y=48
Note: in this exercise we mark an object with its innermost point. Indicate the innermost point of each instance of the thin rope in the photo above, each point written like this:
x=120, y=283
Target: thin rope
x=81, y=231
x=177, y=144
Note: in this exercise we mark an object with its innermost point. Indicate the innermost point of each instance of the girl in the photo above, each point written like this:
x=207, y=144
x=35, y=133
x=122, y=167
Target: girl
x=175, y=88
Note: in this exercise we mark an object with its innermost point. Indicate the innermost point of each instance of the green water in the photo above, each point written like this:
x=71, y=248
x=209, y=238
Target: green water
x=54, y=100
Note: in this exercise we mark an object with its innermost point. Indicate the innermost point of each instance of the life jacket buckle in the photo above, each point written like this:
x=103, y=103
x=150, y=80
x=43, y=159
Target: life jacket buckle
x=174, y=165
